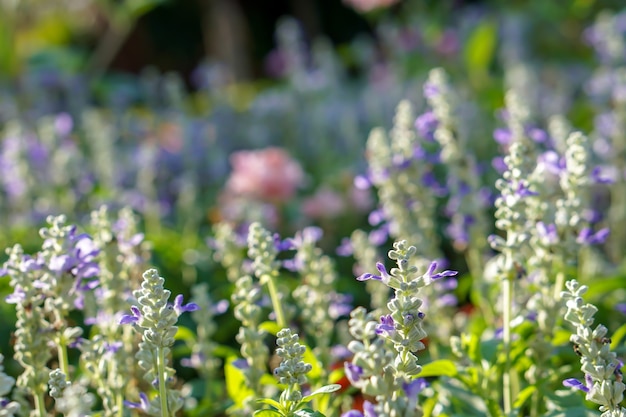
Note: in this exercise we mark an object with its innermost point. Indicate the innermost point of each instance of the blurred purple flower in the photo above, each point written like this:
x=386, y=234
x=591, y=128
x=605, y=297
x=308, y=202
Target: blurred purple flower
x=413, y=388
x=353, y=372
x=345, y=247
x=143, y=404
x=503, y=136
x=548, y=232
x=524, y=191
x=598, y=176
x=587, y=237
x=426, y=124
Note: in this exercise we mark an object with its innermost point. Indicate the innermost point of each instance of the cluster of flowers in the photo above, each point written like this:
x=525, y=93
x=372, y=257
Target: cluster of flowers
x=501, y=355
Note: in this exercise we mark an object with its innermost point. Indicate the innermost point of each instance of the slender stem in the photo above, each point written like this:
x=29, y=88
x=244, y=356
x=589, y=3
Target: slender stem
x=40, y=404
x=63, y=361
x=507, y=289
x=162, y=382
x=559, y=284
x=278, y=308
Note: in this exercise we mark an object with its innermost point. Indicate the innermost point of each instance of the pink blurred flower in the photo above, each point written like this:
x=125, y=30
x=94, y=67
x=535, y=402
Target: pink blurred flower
x=268, y=174
x=369, y=5
x=325, y=203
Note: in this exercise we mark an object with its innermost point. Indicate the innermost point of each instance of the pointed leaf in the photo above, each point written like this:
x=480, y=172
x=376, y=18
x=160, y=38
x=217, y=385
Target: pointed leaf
x=184, y=333
x=307, y=412
x=270, y=327
x=326, y=389
x=480, y=48
x=316, y=366
x=270, y=402
x=524, y=395
x=442, y=367
x=267, y=413
x=236, y=384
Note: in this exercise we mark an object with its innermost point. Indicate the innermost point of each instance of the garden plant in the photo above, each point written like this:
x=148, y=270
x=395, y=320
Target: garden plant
x=440, y=234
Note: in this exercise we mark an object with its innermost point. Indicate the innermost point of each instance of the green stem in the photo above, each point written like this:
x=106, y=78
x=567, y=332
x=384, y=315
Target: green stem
x=162, y=382
x=63, y=361
x=558, y=284
x=278, y=308
x=40, y=404
x=507, y=289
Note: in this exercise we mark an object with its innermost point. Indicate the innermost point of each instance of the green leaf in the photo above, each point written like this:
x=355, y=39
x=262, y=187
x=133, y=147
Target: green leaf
x=524, y=395
x=316, y=366
x=140, y=7
x=601, y=287
x=307, y=412
x=185, y=334
x=236, y=384
x=270, y=327
x=326, y=389
x=267, y=413
x=270, y=401
x=480, y=48
x=561, y=337
x=441, y=367
x=494, y=408
x=618, y=336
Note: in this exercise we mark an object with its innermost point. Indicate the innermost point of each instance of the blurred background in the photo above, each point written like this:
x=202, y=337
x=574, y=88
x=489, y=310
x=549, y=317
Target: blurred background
x=115, y=38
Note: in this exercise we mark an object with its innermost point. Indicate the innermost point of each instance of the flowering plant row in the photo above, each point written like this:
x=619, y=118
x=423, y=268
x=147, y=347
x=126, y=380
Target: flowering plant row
x=528, y=320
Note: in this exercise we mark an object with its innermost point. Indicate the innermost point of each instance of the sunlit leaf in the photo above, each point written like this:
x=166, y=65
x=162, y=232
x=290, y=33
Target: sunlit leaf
x=480, y=48
x=524, y=395
x=326, y=389
x=267, y=413
x=236, y=385
x=441, y=367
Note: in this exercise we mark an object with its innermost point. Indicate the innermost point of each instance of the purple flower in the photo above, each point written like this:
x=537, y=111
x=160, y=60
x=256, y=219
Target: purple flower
x=524, y=191
x=538, y=135
x=426, y=124
x=430, y=90
x=552, y=162
x=113, y=347
x=376, y=217
x=587, y=237
x=369, y=410
x=502, y=136
x=17, y=296
x=430, y=277
x=498, y=164
x=345, y=248
x=362, y=182
x=548, y=232
x=340, y=305
x=411, y=389
x=353, y=372
x=131, y=318
x=282, y=245
x=386, y=327
x=352, y=413
x=143, y=404
x=179, y=308
x=574, y=383
x=378, y=237
x=599, y=177
x=240, y=363
x=195, y=361
x=383, y=277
